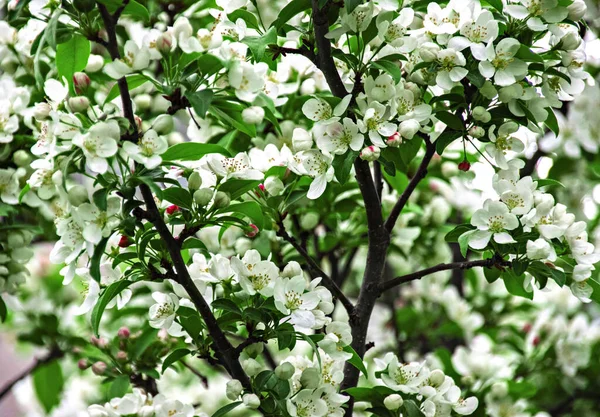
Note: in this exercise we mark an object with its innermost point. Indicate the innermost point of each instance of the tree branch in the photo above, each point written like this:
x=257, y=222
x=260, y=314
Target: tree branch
x=193, y=370
x=316, y=270
x=416, y=179
x=54, y=353
x=384, y=286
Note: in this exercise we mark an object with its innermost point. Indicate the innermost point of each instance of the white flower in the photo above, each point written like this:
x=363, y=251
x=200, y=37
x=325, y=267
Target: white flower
x=493, y=219
x=381, y=88
x=475, y=33
x=580, y=288
x=237, y=167
x=394, y=32
x=148, y=150
x=405, y=377
x=307, y=403
x=9, y=124
x=254, y=274
x=540, y=249
x=377, y=125
x=92, y=292
x=535, y=10
x=318, y=110
x=314, y=164
x=500, y=62
x=9, y=186
x=451, y=69
x=134, y=59
x=518, y=197
x=503, y=143
x=171, y=408
x=162, y=314
x=338, y=335
x=248, y=80
x=98, y=223
x=291, y=299
x=230, y=6
x=461, y=406
x=98, y=144
x=335, y=138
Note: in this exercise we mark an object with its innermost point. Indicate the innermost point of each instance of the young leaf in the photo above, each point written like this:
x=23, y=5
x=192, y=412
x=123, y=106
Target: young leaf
x=109, y=293
x=250, y=209
x=390, y=68
x=95, y=261
x=342, y=164
x=133, y=81
x=71, y=57
x=355, y=360
x=290, y=10
x=226, y=409
x=192, y=151
x=48, y=384
x=451, y=120
x=179, y=196
x=200, y=101
x=174, y=357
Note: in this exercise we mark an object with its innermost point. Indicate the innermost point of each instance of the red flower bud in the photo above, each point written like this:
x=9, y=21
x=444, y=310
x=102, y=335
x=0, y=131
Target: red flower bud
x=81, y=81
x=253, y=232
x=83, y=364
x=527, y=328
x=125, y=241
x=99, y=368
x=464, y=166
x=536, y=341
x=123, y=333
x=172, y=209
x=262, y=187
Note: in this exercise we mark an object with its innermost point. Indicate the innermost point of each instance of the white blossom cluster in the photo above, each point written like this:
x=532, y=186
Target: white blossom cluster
x=141, y=404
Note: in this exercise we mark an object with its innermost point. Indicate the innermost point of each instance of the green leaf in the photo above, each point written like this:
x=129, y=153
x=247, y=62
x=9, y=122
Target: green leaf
x=95, y=260
x=178, y=196
x=133, y=8
x=133, y=81
x=390, y=68
x=233, y=119
x=451, y=120
x=290, y=10
x=226, y=304
x=109, y=293
x=549, y=182
x=193, y=243
x=48, y=38
x=496, y=4
x=398, y=181
x=236, y=187
x=174, y=357
x=411, y=409
x=208, y=64
x=71, y=57
x=463, y=242
x=551, y=121
x=528, y=55
x=246, y=16
x=351, y=5
x=119, y=387
x=491, y=274
x=446, y=139
x=3, y=310
x=148, y=337
x=258, y=44
x=342, y=165
x=476, y=78
x=595, y=290
x=514, y=284
x=355, y=360
x=454, y=234
x=200, y=101
x=226, y=409
x=192, y=151
x=521, y=389
x=24, y=191
x=48, y=383
x=286, y=336
x=100, y=198
x=250, y=209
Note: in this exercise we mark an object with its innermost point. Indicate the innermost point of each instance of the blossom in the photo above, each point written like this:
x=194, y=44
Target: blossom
x=451, y=68
x=162, y=314
x=317, y=165
x=99, y=223
x=500, y=62
x=377, y=125
x=92, y=291
x=503, y=142
x=236, y=167
x=318, y=110
x=9, y=124
x=404, y=377
x=336, y=137
x=134, y=59
x=475, y=33
x=494, y=219
x=394, y=32
x=291, y=299
x=98, y=144
x=247, y=79
x=307, y=403
x=148, y=149
x=254, y=274
x=536, y=10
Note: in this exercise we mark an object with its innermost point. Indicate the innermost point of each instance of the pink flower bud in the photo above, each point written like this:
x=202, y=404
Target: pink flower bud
x=99, y=368
x=164, y=43
x=99, y=342
x=121, y=356
x=172, y=209
x=253, y=232
x=394, y=141
x=81, y=81
x=464, y=166
x=370, y=153
x=83, y=364
x=123, y=333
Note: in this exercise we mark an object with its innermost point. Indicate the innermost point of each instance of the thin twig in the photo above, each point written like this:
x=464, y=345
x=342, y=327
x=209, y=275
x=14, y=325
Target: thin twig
x=193, y=370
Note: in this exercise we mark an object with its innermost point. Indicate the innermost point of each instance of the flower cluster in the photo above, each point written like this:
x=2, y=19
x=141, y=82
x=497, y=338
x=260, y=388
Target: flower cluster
x=141, y=404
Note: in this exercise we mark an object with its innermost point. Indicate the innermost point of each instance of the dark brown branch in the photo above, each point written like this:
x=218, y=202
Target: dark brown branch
x=316, y=270
x=530, y=164
x=378, y=179
x=488, y=263
x=412, y=185
x=193, y=370
x=55, y=353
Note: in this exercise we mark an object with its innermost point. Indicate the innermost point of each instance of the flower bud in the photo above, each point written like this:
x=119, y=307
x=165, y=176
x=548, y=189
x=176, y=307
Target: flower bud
x=309, y=220
x=310, y=378
x=125, y=242
x=409, y=128
x=99, y=368
x=273, y=185
x=15, y=240
x=163, y=124
x=301, y=140
x=124, y=333
x=285, y=370
x=173, y=208
x=99, y=342
x=83, y=364
x=393, y=402
x=251, y=401
x=142, y=102
x=488, y=90
x=194, y=181
x=221, y=199
x=253, y=115
x=477, y=132
x=81, y=81
x=437, y=377
x=499, y=389
x=429, y=51
x=21, y=158
x=254, y=350
x=203, y=196
x=79, y=104
x=94, y=64
x=42, y=111
x=481, y=114
x=251, y=367
x=121, y=356
x=570, y=42
x=253, y=231
x=164, y=43
x=370, y=153
x=77, y=195
x=577, y=10
x=234, y=389
x=464, y=166
x=394, y=141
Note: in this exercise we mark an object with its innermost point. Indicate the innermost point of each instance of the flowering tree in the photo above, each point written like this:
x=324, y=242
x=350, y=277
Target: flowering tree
x=270, y=174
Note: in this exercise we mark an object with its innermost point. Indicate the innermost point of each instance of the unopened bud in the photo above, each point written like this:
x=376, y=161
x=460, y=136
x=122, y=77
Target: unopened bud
x=15, y=240
x=310, y=378
x=94, y=64
x=163, y=124
x=81, y=81
x=194, y=181
x=253, y=231
x=481, y=114
x=577, y=10
x=164, y=43
x=477, y=132
x=309, y=220
x=233, y=389
x=393, y=401
x=570, y=41
x=124, y=333
x=21, y=158
x=77, y=195
x=221, y=199
x=79, y=104
x=464, y=166
x=254, y=350
x=125, y=242
x=83, y=364
x=253, y=115
x=99, y=342
x=429, y=51
x=370, y=153
x=251, y=401
x=42, y=111
x=121, y=356
x=409, y=128
x=301, y=140
x=99, y=368
x=203, y=196
x=173, y=208
x=251, y=367
x=394, y=141
x=274, y=185
x=285, y=371
x=437, y=377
